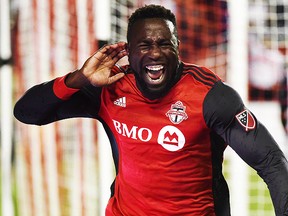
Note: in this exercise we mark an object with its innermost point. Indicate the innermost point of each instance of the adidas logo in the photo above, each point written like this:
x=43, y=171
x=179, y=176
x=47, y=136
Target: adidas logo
x=120, y=102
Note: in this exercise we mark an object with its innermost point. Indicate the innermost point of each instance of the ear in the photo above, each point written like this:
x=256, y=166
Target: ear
x=178, y=44
x=127, y=48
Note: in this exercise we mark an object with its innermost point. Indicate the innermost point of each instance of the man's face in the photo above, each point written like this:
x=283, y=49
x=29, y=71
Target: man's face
x=153, y=55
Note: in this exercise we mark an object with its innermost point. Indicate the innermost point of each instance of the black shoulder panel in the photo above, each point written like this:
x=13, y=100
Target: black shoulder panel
x=220, y=106
x=201, y=74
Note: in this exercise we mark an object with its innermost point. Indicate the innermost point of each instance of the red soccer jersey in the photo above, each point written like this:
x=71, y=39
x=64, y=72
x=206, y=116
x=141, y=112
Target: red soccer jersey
x=165, y=163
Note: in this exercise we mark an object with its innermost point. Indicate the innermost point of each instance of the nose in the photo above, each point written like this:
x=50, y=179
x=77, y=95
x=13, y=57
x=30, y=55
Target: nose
x=155, y=52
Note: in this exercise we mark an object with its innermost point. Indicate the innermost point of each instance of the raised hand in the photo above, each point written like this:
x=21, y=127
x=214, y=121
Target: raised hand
x=97, y=68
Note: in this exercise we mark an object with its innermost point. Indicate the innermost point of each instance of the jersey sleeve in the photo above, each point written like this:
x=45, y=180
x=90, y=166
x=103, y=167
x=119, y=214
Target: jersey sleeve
x=225, y=113
x=52, y=101
x=61, y=90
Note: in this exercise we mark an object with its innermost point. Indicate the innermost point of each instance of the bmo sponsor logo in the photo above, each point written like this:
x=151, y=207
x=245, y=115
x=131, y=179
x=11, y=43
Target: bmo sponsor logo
x=169, y=137
x=143, y=134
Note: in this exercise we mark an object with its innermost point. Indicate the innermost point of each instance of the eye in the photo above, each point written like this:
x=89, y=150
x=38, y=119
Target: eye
x=165, y=44
x=143, y=46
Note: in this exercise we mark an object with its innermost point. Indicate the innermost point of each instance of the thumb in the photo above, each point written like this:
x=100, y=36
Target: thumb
x=115, y=78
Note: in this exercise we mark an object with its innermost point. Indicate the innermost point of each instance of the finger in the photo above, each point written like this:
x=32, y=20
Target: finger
x=106, y=52
x=120, y=45
x=115, y=78
x=100, y=55
x=112, y=56
x=103, y=52
x=113, y=51
x=109, y=48
x=119, y=55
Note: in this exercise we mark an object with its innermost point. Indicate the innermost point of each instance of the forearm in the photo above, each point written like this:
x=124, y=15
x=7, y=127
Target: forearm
x=258, y=149
x=37, y=104
x=276, y=178
x=46, y=102
x=54, y=100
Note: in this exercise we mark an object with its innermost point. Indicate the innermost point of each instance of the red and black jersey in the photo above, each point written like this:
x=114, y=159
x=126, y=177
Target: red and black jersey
x=168, y=152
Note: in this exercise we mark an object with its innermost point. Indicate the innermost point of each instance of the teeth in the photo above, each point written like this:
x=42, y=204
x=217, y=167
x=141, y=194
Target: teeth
x=155, y=67
x=155, y=80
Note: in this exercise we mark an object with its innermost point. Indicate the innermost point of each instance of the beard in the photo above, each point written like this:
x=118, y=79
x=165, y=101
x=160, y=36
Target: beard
x=163, y=90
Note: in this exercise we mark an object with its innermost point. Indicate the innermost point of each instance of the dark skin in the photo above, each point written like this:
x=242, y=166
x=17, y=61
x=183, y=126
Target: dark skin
x=153, y=56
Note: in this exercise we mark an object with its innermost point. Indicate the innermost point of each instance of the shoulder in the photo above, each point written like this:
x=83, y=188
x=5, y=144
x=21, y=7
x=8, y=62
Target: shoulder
x=201, y=74
x=220, y=106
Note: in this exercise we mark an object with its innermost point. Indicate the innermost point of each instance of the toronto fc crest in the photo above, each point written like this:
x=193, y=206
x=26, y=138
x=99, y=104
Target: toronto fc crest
x=177, y=113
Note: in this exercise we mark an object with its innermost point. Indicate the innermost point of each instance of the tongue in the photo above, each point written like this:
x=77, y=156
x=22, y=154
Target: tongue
x=155, y=74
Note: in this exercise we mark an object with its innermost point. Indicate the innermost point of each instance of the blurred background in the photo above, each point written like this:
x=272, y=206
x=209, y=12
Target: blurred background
x=65, y=168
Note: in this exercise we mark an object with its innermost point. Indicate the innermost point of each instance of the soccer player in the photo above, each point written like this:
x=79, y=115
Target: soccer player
x=168, y=123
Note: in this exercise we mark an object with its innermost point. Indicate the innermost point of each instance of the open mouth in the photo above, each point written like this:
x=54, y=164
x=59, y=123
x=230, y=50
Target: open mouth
x=155, y=73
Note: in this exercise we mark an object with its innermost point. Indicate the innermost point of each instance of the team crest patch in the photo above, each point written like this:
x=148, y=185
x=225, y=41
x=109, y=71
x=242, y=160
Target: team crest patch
x=177, y=113
x=246, y=120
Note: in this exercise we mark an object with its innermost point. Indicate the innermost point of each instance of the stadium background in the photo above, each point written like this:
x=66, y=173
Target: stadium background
x=65, y=168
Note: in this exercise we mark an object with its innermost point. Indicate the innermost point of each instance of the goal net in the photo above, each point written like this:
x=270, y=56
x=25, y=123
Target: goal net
x=56, y=170
x=267, y=87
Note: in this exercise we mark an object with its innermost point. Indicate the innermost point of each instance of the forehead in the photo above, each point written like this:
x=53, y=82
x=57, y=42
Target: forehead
x=152, y=26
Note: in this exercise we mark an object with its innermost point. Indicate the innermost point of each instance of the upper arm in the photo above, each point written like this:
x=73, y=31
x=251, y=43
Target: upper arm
x=220, y=106
x=225, y=113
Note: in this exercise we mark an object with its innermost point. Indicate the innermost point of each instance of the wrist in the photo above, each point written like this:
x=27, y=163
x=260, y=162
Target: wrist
x=61, y=90
x=76, y=80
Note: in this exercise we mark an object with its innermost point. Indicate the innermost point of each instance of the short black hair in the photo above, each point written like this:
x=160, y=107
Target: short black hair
x=151, y=11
